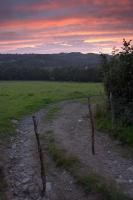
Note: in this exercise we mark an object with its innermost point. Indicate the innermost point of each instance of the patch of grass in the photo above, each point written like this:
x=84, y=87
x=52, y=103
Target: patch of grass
x=90, y=182
x=95, y=183
x=104, y=123
x=52, y=113
x=18, y=98
x=86, y=181
x=61, y=158
x=125, y=134
x=103, y=119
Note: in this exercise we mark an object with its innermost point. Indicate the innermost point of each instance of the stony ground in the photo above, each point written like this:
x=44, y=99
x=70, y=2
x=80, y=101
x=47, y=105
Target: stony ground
x=23, y=169
x=23, y=165
x=72, y=132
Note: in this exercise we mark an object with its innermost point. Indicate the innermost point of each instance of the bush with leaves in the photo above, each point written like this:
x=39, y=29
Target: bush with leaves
x=118, y=81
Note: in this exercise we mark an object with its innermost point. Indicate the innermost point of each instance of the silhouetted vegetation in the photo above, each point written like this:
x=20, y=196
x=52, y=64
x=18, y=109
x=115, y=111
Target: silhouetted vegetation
x=118, y=80
x=54, y=67
x=116, y=117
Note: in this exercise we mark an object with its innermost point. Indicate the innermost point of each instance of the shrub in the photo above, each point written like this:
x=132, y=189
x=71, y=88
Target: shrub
x=118, y=81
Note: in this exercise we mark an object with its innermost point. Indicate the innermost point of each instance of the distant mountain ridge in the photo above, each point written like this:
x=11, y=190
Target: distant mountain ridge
x=74, y=59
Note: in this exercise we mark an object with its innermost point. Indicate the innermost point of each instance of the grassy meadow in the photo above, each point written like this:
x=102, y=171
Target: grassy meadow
x=19, y=98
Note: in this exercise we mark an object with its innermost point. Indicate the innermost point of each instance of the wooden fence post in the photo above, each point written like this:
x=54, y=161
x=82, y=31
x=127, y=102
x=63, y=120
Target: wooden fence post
x=92, y=127
x=43, y=175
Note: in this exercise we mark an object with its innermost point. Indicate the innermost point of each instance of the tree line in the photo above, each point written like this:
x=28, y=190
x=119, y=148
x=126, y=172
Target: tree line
x=13, y=71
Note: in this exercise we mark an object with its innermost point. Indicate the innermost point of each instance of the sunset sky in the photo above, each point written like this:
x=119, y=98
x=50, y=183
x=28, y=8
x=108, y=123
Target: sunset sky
x=53, y=26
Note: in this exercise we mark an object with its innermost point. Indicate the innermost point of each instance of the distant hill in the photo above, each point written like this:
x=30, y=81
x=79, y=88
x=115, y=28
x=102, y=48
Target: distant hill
x=52, y=60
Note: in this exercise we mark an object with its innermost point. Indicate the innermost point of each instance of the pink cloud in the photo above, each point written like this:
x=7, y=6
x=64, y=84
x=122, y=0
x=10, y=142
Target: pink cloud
x=38, y=22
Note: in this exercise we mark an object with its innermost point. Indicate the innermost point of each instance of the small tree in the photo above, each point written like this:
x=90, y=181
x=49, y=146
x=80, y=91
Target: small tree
x=118, y=81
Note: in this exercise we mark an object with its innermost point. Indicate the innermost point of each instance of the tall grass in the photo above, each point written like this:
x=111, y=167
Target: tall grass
x=104, y=123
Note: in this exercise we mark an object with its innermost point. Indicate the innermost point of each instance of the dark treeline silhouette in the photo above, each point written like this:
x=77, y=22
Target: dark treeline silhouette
x=54, y=67
x=54, y=74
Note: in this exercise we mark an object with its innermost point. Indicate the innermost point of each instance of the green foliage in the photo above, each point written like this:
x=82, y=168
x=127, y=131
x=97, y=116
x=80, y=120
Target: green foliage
x=118, y=81
x=104, y=123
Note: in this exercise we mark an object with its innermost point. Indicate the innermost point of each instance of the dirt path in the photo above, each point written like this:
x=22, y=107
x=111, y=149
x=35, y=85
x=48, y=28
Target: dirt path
x=23, y=177
x=23, y=168
x=72, y=132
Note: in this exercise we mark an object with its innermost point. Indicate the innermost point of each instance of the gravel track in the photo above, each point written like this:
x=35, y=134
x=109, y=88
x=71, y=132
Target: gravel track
x=72, y=132
x=23, y=168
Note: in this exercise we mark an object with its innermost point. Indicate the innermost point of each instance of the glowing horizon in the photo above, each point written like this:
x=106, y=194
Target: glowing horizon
x=54, y=26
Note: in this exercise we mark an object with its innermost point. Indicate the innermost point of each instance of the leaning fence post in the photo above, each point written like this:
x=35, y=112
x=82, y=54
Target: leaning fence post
x=43, y=175
x=92, y=127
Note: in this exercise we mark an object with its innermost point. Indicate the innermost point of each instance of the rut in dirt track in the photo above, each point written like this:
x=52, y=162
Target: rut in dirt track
x=23, y=167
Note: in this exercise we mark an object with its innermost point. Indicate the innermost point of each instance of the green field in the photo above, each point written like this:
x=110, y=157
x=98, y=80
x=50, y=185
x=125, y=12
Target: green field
x=19, y=98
